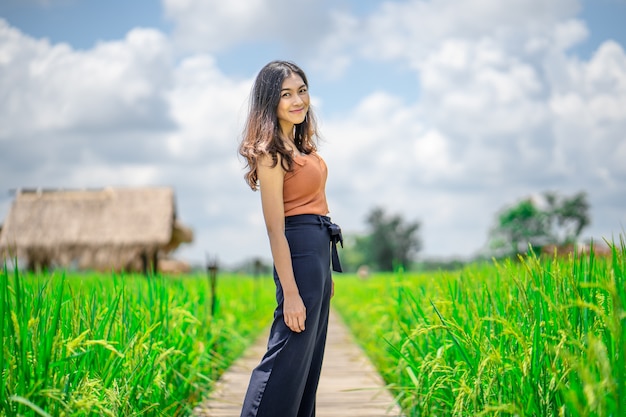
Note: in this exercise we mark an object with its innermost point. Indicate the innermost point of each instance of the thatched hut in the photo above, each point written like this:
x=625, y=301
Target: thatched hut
x=121, y=229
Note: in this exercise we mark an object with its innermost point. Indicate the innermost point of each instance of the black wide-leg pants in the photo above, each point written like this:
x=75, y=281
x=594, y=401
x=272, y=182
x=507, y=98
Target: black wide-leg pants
x=285, y=383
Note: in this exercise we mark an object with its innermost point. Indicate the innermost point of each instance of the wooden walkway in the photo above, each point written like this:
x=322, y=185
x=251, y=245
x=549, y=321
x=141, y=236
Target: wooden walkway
x=349, y=385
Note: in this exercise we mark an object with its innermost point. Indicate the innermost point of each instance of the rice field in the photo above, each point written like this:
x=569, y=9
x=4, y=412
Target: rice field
x=534, y=337
x=113, y=345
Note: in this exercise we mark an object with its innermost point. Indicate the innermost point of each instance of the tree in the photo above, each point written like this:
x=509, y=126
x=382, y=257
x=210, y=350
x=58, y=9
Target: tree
x=567, y=217
x=391, y=240
x=519, y=226
x=539, y=221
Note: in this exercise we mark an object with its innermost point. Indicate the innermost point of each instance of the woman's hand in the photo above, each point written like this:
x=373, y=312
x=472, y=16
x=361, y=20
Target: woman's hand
x=294, y=312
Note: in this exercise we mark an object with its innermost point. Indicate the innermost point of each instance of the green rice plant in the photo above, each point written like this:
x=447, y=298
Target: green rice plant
x=115, y=345
x=534, y=337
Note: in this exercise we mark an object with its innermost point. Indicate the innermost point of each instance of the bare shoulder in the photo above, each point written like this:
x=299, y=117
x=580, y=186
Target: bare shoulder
x=268, y=161
x=270, y=170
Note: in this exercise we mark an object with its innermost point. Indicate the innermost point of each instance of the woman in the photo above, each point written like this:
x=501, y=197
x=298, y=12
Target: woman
x=280, y=151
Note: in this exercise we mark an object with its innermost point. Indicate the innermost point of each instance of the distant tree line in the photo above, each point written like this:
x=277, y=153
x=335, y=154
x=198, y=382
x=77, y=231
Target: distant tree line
x=392, y=242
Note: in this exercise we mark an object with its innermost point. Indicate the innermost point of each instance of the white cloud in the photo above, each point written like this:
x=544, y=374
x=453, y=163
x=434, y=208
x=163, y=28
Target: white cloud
x=329, y=56
x=116, y=85
x=590, y=116
x=208, y=107
x=215, y=25
x=411, y=30
x=432, y=156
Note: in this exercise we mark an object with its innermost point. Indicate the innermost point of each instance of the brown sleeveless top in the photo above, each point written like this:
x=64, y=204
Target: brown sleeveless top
x=304, y=188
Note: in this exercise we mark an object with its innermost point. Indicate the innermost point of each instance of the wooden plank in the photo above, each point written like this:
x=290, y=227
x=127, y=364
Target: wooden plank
x=349, y=384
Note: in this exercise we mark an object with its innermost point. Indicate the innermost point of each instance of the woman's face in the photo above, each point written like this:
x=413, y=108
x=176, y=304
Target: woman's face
x=294, y=103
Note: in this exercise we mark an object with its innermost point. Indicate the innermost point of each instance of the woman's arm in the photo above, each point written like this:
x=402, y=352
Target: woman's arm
x=271, y=187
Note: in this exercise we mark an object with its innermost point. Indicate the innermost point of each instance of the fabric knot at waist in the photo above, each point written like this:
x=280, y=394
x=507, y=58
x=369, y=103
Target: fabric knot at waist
x=323, y=222
x=335, y=237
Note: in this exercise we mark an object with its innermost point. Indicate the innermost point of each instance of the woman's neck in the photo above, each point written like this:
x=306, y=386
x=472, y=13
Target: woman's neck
x=288, y=142
x=287, y=130
x=288, y=135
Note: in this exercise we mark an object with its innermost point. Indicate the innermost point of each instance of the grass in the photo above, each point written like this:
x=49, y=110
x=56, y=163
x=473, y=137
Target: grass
x=534, y=337
x=538, y=337
x=112, y=345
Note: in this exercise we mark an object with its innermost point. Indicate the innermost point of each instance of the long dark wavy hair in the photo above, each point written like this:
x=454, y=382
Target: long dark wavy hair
x=261, y=135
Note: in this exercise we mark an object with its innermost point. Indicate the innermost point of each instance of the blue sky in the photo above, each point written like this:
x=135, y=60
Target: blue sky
x=443, y=110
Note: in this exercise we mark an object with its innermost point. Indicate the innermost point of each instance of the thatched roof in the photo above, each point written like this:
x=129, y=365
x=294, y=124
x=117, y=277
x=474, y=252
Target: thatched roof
x=58, y=221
